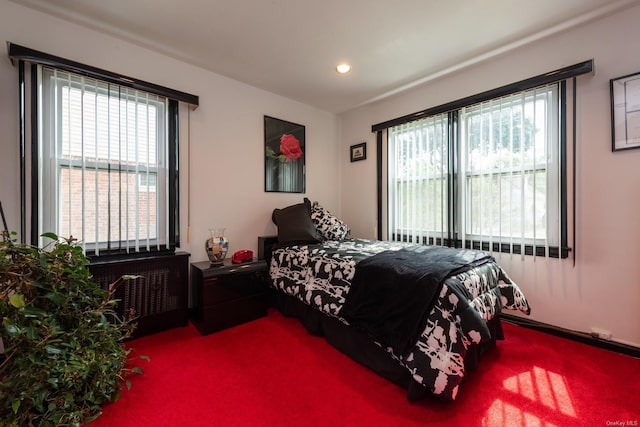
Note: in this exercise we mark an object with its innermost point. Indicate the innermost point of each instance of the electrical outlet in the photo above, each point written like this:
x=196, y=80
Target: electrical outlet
x=602, y=334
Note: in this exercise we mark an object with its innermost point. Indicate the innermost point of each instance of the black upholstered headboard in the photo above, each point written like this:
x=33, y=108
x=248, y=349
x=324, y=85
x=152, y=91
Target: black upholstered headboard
x=265, y=243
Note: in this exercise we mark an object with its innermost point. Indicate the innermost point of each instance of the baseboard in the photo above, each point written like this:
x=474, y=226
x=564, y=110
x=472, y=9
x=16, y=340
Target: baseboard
x=573, y=335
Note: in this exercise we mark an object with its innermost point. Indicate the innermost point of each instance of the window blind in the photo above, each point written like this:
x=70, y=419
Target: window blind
x=419, y=181
x=510, y=171
x=103, y=156
x=486, y=176
x=126, y=185
x=474, y=185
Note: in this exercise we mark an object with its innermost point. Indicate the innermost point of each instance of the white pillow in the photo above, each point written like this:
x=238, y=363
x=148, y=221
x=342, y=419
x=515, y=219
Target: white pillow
x=328, y=225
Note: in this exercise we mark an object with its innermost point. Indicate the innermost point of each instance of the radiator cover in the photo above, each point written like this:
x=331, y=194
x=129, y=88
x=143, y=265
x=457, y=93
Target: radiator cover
x=159, y=297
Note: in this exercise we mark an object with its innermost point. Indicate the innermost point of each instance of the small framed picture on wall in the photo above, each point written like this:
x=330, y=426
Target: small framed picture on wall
x=625, y=112
x=359, y=152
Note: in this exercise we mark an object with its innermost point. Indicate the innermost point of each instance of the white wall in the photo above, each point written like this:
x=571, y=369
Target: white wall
x=227, y=133
x=603, y=289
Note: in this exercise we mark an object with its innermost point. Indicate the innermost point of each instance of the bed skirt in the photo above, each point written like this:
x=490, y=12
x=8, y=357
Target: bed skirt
x=360, y=348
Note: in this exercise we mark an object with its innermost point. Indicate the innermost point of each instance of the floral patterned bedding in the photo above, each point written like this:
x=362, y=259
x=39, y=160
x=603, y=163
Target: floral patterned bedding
x=320, y=275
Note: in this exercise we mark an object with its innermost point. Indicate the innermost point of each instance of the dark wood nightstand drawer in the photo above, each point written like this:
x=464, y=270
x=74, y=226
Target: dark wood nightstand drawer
x=232, y=313
x=231, y=287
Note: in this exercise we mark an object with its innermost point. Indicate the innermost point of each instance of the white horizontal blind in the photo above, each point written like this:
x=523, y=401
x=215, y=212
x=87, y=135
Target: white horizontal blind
x=104, y=162
x=418, y=181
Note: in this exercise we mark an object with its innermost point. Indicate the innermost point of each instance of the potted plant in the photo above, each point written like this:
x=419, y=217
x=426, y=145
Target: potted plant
x=64, y=350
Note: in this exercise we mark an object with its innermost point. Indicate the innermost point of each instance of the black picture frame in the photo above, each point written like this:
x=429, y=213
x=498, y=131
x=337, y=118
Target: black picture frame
x=625, y=112
x=284, y=156
x=358, y=152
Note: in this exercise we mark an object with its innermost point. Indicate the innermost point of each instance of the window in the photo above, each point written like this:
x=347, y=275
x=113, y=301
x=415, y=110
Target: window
x=104, y=148
x=419, y=180
x=103, y=160
x=510, y=174
x=147, y=182
x=486, y=175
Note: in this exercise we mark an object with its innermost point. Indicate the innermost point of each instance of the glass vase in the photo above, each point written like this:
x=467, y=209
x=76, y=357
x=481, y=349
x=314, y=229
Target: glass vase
x=217, y=246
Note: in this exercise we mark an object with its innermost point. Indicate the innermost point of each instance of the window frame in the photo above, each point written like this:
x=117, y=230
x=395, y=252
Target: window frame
x=165, y=143
x=28, y=82
x=561, y=76
x=444, y=178
x=551, y=167
x=459, y=231
x=63, y=160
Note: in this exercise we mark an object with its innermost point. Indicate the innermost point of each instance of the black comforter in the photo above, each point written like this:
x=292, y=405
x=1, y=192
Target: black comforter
x=393, y=292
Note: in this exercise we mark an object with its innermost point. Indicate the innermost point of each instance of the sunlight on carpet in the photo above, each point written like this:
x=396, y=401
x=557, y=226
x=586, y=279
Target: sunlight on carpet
x=539, y=386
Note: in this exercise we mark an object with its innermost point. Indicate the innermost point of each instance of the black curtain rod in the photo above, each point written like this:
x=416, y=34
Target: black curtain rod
x=18, y=53
x=551, y=77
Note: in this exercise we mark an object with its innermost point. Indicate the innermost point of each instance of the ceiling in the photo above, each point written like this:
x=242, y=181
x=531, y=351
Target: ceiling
x=291, y=47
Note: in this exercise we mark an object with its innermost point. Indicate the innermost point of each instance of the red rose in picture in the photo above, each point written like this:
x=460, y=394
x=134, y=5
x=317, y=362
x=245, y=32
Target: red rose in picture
x=290, y=147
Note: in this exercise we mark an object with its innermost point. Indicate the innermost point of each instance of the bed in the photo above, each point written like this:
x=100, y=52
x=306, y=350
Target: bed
x=421, y=316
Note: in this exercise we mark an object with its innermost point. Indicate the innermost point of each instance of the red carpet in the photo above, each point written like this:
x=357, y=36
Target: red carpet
x=271, y=372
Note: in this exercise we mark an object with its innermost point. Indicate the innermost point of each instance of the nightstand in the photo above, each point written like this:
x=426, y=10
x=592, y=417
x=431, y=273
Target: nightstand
x=228, y=295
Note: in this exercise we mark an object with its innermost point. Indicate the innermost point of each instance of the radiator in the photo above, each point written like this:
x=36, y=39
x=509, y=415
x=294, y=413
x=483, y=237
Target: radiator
x=159, y=296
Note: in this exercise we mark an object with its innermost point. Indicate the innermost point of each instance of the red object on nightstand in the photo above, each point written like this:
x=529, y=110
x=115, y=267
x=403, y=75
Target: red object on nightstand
x=242, y=256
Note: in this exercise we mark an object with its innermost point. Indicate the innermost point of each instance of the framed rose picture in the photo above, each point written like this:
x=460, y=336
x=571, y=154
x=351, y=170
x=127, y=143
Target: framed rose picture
x=284, y=156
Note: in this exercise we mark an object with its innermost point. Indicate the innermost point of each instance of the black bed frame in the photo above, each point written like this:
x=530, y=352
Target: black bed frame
x=356, y=344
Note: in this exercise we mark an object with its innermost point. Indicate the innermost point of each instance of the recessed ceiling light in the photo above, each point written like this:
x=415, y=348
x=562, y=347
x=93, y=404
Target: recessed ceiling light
x=343, y=68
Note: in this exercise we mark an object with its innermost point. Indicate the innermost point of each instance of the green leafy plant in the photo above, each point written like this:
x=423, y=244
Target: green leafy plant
x=64, y=351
